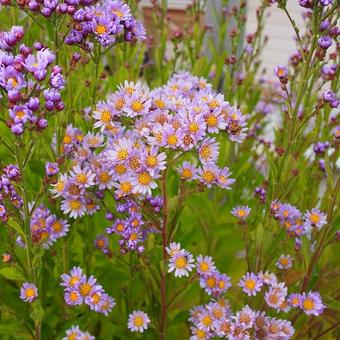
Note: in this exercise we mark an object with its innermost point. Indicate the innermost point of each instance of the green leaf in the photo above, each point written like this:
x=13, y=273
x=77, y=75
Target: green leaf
x=12, y=273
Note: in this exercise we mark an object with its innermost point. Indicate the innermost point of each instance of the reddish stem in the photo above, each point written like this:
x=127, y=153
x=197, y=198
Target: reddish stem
x=164, y=245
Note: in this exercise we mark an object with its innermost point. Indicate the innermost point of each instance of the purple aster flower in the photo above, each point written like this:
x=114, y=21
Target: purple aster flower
x=205, y=265
x=326, y=2
x=28, y=292
x=72, y=297
x=101, y=242
x=20, y=114
x=241, y=212
x=276, y=295
x=182, y=262
x=87, y=287
x=325, y=42
x=294, y=300
x=245, y=317
x=324, y=25
x=11, y=171
x=208, y=150
x=328, y=96
x=187, y=171
x=281, y=72
x=106, y=304
x=51, y=169
x=311, y=303
x=284, y=262
x=72, y=280
x=250, y=284
x=315, y=218
x=138, y=321
x=208, y=174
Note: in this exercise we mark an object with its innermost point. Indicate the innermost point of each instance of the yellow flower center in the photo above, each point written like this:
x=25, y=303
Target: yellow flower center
x=206, y=321
x=308, y=304
x=186, y=173
x=85, y=289
x=75, y=204
x=73, y=296
x=315, y=218
x=67, y=139
x=295, y=301
x=74, y=280
x=180, y=262
x=101, y=29
x=205, y=152
x=137, y=106
x=20, y=114
x=105, y=116
x=95, y=298
x=172, y=140
x=81, y=178
x=125, y=187
x=138, y=321
x=273, y=299
x=213, y=104
x=284, y=261
x=144, y=178
x=122, y=154
x=193, y=127
x=120, y=169
x=119, y=103
x=119, y=227
x=211, y=120
x=100, y=243
x=211, y=282
x=151, y=161
x=57, y=226
x=104, y=177
x=13, y=81
x=208, y=176
x=250, y=284
x=60, y=185
x=117, y=12
x=241, y=213
x=204, y=266
x=133, y=237
x=30, y=292
x=159, y=103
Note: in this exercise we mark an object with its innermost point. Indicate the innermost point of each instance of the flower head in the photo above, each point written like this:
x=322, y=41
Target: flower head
x=28, y=292
x=138, y=321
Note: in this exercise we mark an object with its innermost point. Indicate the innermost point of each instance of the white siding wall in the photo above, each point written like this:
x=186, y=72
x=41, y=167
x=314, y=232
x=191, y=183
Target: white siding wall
x=174, y=4
x=281, y=35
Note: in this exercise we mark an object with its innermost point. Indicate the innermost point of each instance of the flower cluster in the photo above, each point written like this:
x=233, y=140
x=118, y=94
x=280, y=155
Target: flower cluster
x=79, y=289
x=138, y=321
x=32, y=86
x=8, y=195
x=139, y=129
x=294, y=222
x=215, y=319
x=77, y=334
x=49, y=7
x=46, y=228
x=28, y=292
x=277, y=294
x=211, y=280
x=129, y=223
x=108, y=22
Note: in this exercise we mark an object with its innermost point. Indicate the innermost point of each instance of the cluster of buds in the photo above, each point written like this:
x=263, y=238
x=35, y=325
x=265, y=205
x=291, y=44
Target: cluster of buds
x=8, y=195
x=29, y=80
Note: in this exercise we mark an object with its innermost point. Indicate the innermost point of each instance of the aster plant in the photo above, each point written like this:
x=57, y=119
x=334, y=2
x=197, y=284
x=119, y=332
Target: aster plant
x=160, y=184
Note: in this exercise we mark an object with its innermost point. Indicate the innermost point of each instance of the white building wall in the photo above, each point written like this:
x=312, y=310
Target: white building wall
x=281, y=43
